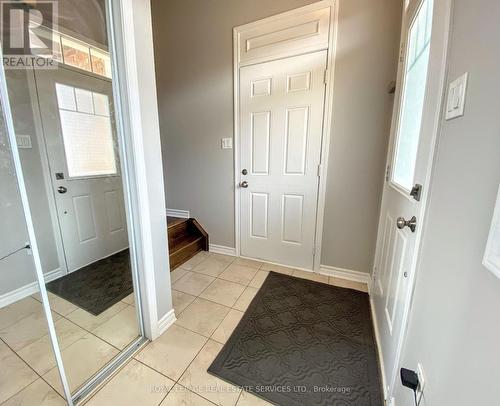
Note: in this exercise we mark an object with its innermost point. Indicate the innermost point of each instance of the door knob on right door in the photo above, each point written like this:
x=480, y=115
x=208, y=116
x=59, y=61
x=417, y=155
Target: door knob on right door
x=411, y=224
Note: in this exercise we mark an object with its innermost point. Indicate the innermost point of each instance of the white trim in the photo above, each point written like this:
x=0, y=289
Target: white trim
x=182, y=214
x=491, y=259
x=379, y=348
x=166, y=321
x=327, y=120
x=29, y=289
x=221, y=249
x=349, y=274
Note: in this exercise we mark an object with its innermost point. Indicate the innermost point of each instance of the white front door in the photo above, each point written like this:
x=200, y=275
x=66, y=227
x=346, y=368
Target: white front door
x=281, y=119
x=415, y=118
x=80, y=138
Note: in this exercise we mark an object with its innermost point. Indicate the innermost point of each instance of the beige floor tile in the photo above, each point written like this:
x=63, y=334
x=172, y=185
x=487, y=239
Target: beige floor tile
x=181, y=301
x=177, y=274
x=247, y=399
x=258, y=279
x=312, y=276
x=89, y=321
x=202, y=316
x=223, y=292
x=224, y=258
x=239, y=273
x=192, y=262
x=180, y=396
x=245, y=299
x=344, y=283
x=198, y=380
x=173, y=351
x=82, y=360
x=277, y=268
x=193, y=283
x=14, y=373
x=16, y=311
x=36, y=394
x=27, y=330
x=58, y=304
x=130, y=300
x=248, y=262
x=212, y=266
x=120, y=329
x=135, y=384
x=227, y=326
x=39, y=354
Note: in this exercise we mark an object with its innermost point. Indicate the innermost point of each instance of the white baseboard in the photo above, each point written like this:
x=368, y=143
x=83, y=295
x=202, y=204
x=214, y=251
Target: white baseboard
x=166, y=321
x=348, y=274
x=183, y=214
x=27, y=290
x=221, y=249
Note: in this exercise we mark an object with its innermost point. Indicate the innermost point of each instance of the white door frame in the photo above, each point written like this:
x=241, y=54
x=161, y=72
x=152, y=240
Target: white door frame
x=431, y=121
x=327, y=116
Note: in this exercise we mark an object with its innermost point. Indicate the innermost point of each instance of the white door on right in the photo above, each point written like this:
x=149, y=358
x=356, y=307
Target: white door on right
x=409, y=163
x=281, y=117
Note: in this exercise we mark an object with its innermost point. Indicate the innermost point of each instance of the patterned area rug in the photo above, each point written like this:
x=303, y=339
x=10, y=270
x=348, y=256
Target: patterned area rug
x=304, y=343
x=97, y=286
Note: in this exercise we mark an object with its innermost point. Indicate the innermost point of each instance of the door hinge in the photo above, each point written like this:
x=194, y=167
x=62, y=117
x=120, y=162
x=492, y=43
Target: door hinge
x=320, y=170
x=388, y=173
x=402, y=54
x=325, y=79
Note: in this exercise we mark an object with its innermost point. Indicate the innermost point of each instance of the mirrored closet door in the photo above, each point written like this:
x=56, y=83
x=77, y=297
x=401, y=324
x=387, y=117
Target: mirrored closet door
x=65, y=122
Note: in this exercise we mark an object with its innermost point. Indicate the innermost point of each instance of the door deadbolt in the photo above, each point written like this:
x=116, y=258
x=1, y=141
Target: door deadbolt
x=244, y=172
x=411, y=224
x=62, y=189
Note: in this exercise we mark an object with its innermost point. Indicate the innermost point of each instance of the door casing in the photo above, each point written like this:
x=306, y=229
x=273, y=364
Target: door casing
x=431, y=122
x=327, y=116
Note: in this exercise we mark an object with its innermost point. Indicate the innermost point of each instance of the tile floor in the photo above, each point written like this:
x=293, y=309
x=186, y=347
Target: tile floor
x=28, y=373
x=210, y=294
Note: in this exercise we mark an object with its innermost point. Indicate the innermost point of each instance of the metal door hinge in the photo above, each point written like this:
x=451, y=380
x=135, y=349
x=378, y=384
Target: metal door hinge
x=320, y=170
x=325, y=79
x=402, y=54
x=388, y=173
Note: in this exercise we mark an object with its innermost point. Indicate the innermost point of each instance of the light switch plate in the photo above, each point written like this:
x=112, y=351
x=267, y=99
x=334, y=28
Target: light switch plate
x=227, y=143
x=23, y=141
x=455, y=103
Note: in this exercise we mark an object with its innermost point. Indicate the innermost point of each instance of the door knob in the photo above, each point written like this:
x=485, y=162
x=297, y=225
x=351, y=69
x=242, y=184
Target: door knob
x=244, y=184
x=62, y=189
x=411, y=224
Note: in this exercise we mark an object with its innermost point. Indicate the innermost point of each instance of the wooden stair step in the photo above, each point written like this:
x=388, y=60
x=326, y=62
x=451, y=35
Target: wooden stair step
x=186, y=237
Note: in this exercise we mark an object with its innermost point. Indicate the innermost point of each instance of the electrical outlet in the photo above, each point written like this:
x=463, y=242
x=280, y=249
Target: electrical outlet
x=421, y=382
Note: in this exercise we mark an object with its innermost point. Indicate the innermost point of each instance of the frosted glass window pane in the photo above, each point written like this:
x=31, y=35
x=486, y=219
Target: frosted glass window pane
x=84, y=101
x=101, y=104
x=88, y=138
x=413, y=98
x=66, y=97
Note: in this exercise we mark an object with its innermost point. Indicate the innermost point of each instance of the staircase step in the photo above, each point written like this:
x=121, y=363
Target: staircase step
x=186, y=237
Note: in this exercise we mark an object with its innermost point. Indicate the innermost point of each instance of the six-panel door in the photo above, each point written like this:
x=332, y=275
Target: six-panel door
x=281, y=119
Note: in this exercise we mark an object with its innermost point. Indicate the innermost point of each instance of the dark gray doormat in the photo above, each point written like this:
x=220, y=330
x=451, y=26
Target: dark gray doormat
x=304, y=343
x=98, y=286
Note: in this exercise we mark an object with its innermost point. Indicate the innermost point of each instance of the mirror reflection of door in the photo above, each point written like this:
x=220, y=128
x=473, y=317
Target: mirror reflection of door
x=68, y=144
x=80, y=136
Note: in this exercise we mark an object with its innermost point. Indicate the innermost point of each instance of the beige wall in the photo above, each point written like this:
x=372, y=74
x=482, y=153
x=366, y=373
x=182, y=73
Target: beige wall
x=455, y=323
x=194, y=62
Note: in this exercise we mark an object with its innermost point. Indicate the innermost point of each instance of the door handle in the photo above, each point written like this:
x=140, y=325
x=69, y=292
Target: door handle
x=62, y=189
x=411, y=224
x=244, y=184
